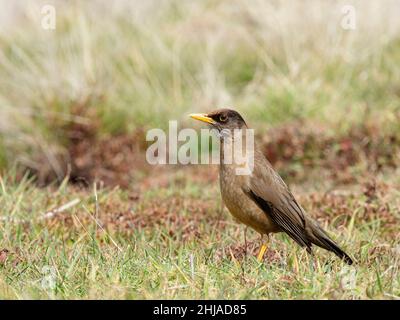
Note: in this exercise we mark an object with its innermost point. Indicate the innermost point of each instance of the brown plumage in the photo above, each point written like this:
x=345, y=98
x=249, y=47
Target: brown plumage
x=261, y=199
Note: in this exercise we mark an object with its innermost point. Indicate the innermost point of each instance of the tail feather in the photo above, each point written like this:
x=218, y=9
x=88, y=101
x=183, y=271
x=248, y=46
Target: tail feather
x=321, y=239
x=332, y=246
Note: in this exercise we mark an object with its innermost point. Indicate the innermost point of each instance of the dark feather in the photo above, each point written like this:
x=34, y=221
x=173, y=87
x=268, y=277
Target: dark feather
x=322, y=240
x=295, y=231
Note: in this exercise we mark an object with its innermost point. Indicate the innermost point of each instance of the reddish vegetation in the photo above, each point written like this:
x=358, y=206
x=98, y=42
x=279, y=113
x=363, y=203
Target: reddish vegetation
x=111, y=160
x=372, y=205
x=177, y=217
x=114, y=160
x=3, y=256
x=313, y=147
x=293, y=149
x=10, y=257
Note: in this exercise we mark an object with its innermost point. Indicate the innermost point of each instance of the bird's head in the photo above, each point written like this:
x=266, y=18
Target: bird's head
x=222, y=119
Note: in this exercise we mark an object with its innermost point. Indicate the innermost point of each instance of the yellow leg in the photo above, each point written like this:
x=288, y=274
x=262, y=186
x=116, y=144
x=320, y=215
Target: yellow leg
x=262, y=252
x=263, y=249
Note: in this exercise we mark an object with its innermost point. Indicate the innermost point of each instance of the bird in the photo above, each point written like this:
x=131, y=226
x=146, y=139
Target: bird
x=261, y=199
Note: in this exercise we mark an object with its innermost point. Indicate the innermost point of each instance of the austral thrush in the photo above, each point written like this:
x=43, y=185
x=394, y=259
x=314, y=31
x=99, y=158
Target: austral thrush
x=261, y=199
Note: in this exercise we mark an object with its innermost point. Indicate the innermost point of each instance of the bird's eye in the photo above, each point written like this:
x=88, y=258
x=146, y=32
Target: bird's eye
x=223, y=117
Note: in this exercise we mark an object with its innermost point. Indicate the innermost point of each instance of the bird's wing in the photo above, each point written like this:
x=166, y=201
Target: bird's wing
x=267, y=189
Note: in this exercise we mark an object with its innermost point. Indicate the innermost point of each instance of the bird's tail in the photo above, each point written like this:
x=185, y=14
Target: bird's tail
x=321, y=239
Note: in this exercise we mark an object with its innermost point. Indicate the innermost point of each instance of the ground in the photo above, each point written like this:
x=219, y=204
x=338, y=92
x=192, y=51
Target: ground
x=84, y=216
x=171, y=238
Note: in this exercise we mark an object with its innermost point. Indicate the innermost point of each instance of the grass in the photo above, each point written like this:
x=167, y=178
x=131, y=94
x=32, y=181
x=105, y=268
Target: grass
x=116, y=245
x=75, y=102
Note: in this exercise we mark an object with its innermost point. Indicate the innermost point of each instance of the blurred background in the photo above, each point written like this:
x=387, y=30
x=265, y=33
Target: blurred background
x=77, y=100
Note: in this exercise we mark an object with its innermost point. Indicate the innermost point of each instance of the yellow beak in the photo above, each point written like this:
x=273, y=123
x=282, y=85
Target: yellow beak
x=202, y=117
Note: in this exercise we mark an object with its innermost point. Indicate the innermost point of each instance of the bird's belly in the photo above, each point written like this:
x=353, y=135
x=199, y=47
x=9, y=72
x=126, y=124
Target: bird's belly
x=245, y=210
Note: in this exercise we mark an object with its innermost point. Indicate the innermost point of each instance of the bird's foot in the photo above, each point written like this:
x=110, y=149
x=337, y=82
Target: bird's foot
x=263, y=249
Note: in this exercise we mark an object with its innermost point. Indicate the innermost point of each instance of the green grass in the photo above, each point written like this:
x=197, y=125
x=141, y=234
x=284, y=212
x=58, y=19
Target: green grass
x=149, y=262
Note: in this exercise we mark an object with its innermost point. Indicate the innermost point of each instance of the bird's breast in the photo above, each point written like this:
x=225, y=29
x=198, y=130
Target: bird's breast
x=239, y=204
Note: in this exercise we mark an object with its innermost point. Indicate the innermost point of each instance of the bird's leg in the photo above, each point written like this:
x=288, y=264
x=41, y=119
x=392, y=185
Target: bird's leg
x=263, y=248
x=245, y=242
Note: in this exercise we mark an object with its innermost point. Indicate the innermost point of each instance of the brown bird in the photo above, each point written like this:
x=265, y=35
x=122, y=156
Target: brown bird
x=261, y=199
